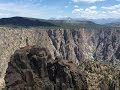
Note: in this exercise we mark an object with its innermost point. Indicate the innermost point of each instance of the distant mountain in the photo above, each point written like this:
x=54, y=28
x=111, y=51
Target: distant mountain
x=78, y=22
x=98, y=21
x=69, y=18
x=116, y=24
x=75, y=23
x=23, y=21
x=105, y=21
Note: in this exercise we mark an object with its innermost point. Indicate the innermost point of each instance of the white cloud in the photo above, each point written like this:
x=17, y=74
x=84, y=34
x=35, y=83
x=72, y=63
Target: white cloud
x=93, y=7
x=94, y=13
x=77, y=11
x=112, y=7
x=76, y=6
x=90, y=10
x=87, y=1
x=112, y=11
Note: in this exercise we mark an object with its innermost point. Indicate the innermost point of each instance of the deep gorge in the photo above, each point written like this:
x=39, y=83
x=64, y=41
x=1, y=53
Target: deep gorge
x=92, y=47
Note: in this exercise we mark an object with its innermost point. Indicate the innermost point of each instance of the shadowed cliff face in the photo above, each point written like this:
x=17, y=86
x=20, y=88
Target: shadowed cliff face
x=32, y=68
x=76, y=45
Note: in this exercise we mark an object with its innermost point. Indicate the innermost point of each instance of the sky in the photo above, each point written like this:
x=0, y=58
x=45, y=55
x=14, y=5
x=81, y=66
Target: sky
x=45, y=9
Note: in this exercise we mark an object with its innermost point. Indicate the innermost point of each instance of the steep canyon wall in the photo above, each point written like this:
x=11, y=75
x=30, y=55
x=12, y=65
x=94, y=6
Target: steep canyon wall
x=76, y=45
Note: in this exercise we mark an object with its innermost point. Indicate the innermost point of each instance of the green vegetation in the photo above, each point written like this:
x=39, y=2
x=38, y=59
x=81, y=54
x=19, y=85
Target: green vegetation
x=100, y=75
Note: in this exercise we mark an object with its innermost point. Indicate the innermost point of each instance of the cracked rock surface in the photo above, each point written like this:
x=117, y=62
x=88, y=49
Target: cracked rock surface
x=76, y=45
x=32, y=68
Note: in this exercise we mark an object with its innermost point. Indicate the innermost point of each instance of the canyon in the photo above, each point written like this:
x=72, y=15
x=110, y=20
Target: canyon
x=94, y=54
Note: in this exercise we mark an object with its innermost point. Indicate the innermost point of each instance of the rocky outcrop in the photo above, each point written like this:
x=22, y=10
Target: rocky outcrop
x=32, y=68
x=102, y=45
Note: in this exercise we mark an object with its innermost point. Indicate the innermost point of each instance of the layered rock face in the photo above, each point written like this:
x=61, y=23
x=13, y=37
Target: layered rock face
x=32, y=68
x=76, y=45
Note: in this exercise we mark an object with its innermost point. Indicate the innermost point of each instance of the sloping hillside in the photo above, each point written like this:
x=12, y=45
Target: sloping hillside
x=23, y=21
x=33, y=22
